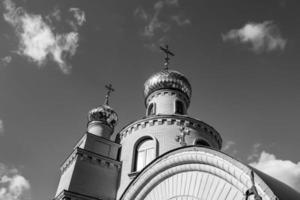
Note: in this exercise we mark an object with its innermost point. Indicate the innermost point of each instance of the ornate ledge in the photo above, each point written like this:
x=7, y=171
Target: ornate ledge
x=91, y=157
x=167, y=92
x=170, y=120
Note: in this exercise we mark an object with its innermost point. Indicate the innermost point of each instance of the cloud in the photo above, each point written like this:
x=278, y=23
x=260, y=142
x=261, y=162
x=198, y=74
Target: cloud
x=158, y=22
x=180, y=20
x=172, y=2
x=37, y=39
x=141, y=13
x=5, y=60
x=79, y=15
x=56, y=14
x=228, y=145
x=255, y=152
x=261, y=36
x=229, y=148
x=1, y=127
x=154, y=23
x=13, y=186
x=283, y=170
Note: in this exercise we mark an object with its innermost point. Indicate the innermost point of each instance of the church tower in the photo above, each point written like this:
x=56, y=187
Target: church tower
x=91, y=171
x=165, y=155
x=166, y=125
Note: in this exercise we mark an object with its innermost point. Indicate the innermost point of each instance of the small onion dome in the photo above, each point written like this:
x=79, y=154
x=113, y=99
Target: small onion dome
x=168, y=79
x=103, y=114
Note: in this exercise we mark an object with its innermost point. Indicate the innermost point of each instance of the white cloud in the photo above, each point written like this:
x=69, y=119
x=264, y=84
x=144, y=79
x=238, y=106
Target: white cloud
x=37, y=39
x=228, y=145
x=229, y=148
x=158, y=23
x=180, y=20
x=141, y=13
x=284, y=170
x=56, y=14
x=154, y=23
x=255, y=152
x=13, y=186
x=1, y=127
x=5, y=60
x=79, y=15
x=261, y=36
x=172, y=2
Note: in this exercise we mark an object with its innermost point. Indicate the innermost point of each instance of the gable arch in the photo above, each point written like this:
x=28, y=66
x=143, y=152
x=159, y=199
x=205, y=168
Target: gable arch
x=196, y=160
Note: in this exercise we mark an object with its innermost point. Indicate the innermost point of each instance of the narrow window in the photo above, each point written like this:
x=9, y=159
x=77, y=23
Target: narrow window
x=151, y=109
x=179, y=107
x=145, y=153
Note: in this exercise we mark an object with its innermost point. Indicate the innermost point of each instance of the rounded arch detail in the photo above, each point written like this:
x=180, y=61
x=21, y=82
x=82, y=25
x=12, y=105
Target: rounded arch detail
x=135, y=149
x=198, y=159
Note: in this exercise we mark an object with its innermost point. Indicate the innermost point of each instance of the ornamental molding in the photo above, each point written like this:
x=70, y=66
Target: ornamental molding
x=91, y=157
x=169, y=92
x=178, y=120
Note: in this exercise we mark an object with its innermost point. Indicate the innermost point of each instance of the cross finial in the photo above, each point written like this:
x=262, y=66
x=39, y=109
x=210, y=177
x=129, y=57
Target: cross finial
x=167, y=52
x=184, y=131
x=109, y=90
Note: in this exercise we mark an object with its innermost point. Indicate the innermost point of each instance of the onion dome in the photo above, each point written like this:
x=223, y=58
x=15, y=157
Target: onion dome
x=168, y=79
x=104, y=114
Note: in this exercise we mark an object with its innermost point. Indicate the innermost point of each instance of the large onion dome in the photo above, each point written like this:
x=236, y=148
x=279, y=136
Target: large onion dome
x=104, y=114
x=168, y=79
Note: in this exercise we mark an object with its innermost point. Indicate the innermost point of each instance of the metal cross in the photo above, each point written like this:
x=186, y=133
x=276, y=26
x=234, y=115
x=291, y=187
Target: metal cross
x=252, y=190
x=184, y=131
x=167, y=52
x=109, y=90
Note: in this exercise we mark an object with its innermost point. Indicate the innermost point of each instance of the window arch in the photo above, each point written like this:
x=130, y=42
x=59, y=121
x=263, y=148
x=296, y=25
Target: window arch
x=179, y=107
x=144, y=153
x=201, y=142
x=151, y=109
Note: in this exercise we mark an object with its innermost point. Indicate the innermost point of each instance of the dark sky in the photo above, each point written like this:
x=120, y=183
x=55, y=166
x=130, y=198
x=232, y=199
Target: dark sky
x=245, y=79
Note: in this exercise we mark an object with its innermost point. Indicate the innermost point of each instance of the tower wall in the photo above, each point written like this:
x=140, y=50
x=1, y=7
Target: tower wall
x=91, y=170
x=164, y=102
x=163, y=130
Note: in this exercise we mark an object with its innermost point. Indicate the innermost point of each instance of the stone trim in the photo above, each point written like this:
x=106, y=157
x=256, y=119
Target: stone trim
x=92, y=157
x=170, y=120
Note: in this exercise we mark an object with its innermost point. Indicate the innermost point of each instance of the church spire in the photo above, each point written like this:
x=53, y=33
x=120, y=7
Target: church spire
x=109, y=90
x=167, y=58
x=102, y=119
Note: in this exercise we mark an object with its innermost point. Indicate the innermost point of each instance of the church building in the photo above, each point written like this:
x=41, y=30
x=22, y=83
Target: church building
x=166, y=155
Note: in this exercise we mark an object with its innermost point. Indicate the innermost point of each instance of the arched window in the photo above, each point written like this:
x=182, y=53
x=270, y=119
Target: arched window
x=179, y=107
x=201, y=142
x=144, y=154
x=151, y=109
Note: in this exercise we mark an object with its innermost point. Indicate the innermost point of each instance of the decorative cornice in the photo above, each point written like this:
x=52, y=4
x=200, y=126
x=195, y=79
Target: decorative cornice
x=167, y=92
x=170, y=120
x=91, y=157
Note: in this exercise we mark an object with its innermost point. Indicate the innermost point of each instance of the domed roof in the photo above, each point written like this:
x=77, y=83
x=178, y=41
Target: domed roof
x=103, y=114
x=168, y=79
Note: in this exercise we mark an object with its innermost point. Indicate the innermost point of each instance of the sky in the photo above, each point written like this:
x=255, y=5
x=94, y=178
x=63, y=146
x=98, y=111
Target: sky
x=241, y=58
